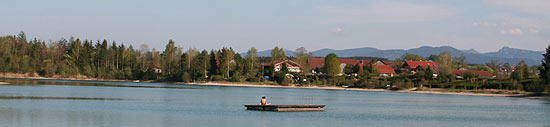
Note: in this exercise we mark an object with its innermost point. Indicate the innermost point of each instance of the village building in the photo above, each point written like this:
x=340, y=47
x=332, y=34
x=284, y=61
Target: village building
x=278, y=64
x=505, y=69
x=412, y=67
x=319, y=63
x=482, y=74
x=385, y=70
x=382, y=65
x=416, y=66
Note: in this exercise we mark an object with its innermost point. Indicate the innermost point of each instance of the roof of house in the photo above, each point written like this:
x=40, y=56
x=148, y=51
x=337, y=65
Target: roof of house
x=480, y=73
x=386, y=62
x=423, y=64
x=316, y=62
x=385, y=69
x=290, y=62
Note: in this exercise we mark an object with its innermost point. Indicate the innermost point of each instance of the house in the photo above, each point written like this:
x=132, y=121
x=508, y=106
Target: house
x=157, y=70
x=385, y=70
x=482, y=74
x=381, y=62
x=291, y=65
x=416, y=66
x=382, y=65
x=319, y=63
x=504, y=69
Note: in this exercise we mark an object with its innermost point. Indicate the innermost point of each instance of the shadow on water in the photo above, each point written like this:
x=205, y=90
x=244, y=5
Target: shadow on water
x=22, y=82
x=53, y=98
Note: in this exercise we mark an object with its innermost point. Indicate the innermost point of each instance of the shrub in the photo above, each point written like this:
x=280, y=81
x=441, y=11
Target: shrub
x=236, y=77
x=186, y=77
x=217, y=78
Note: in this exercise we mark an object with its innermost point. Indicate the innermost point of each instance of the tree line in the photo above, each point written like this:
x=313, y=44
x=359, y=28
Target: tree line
x=108, y=60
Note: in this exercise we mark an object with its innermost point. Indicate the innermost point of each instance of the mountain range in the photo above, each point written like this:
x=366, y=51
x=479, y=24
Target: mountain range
x=505, y=54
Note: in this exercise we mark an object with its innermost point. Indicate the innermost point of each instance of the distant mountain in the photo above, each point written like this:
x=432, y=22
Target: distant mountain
x=268, y=53
x=473, y=51
x=506, y=54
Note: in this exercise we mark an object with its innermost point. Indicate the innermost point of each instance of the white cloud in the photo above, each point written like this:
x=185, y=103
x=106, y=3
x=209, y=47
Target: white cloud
x=532, y=30
x=386, y=12
x=337, y=30
x=516, y=31
x=484, y=23
x=529, y=6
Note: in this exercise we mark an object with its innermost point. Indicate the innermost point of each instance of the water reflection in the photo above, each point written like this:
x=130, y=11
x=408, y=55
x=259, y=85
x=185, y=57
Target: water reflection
x=119, y=104
x=83, y=83
x=53, y=98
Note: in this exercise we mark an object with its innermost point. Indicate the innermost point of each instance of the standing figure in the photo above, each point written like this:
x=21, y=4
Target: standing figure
x=264, y=101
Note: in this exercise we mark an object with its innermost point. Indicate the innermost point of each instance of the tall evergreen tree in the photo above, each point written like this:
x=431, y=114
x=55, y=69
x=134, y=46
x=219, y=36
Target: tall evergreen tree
x=213, y=63
x=227, y=55
x=545, y=69
x=203, y=64
x=169, y=56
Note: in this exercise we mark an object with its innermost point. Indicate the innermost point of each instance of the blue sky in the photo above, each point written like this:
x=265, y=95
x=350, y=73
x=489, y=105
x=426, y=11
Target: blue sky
x=484, y=25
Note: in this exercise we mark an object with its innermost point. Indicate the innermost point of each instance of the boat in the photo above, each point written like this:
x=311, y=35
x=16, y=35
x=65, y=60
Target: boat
x=286, y=108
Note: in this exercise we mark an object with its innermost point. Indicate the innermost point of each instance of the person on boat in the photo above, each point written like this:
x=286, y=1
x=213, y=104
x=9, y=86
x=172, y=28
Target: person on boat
x=264, y=101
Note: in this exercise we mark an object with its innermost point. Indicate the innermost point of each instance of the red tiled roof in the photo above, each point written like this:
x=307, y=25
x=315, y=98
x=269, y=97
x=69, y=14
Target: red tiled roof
x=385, y=69
x=316, y=62
x=423, y=64
x=386, y=62
x=480, y=73
x=290, y=62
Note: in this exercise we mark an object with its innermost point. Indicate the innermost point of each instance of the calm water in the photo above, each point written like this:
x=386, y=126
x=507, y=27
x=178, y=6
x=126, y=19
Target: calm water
x=60, y=103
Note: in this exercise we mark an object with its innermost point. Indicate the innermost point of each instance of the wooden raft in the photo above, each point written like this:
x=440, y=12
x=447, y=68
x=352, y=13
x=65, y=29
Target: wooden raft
x=286, y=108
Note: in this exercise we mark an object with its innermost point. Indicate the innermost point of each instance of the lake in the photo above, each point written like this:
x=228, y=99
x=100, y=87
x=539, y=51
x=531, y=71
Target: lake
x=64, y=103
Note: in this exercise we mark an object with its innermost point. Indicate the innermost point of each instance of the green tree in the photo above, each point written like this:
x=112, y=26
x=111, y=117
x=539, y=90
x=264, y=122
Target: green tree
x=545, y=68
x=428, y=74
x=301, y=58
x=277, y=54
x=412, y=57
x=433, y=57
x=252, y=62
x=445, y=62
x=169, y=55
x=520, y=72
x=332, y=65
x=203, y=64
x=213, y=70
x=493, y=64
x=470, y=75
x=226, y=59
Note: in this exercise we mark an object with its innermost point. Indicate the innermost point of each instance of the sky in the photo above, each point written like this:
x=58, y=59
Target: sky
x=483, y=25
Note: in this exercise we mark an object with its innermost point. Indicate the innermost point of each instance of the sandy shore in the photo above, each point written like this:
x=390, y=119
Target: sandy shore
x=463, y=93
x=277, y=86
x=362, y=89
x=23, y=76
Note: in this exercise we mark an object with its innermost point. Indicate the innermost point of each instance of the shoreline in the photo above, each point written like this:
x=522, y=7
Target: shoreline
x=243, y=84
x=370, y=90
